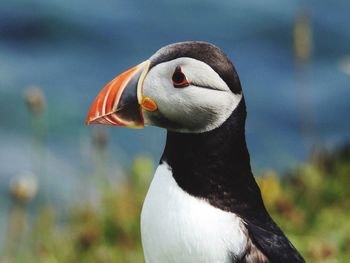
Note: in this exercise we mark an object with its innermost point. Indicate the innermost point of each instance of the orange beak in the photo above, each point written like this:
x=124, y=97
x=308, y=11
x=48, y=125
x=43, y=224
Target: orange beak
x=118, y=103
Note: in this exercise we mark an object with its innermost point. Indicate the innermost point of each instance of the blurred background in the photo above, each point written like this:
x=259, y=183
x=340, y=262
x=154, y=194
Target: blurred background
x=72, y=193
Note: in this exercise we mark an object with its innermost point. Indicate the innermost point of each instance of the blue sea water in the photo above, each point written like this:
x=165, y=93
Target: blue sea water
x=71, y=49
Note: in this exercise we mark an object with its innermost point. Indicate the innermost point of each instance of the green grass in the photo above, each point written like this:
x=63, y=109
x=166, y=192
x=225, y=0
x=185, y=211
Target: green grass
x=311, y=204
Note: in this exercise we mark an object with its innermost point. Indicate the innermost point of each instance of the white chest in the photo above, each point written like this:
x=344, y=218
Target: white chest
x=179, y=228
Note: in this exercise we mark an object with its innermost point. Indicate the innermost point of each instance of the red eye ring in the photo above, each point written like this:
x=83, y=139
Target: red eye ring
x=179, y=78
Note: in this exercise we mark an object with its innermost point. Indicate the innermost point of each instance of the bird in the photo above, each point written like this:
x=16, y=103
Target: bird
x=203, y=203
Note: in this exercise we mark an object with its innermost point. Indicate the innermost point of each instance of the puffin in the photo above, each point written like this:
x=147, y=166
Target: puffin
x=203, y=204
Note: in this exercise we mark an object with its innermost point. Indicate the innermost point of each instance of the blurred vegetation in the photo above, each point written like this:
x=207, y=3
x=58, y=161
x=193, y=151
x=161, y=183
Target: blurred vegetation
x=311, y=204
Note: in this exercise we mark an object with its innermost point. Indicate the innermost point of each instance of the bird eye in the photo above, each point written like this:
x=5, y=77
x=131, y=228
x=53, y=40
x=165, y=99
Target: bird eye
x=179, y=78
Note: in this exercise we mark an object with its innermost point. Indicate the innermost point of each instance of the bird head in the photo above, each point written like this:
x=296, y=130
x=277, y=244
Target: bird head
x=188, y=87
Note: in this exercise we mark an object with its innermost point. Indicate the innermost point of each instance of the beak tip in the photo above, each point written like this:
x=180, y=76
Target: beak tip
x=87, y=120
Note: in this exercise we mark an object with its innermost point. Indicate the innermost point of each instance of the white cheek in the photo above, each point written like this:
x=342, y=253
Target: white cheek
x=207, y=109
x=195, y=109
x=193, y=103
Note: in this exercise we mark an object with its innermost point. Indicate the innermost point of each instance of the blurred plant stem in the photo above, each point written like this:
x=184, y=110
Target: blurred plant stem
x=36, y=105
x=302, y=37
x=16, y=224
x=99, y=159
x=303, y=46
x=22, y=189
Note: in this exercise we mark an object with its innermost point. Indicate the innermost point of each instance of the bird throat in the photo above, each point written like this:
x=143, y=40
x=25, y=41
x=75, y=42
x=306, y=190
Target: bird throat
x=214, y=165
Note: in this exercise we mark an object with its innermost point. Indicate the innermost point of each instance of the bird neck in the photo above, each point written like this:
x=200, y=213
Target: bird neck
x=214, y=165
